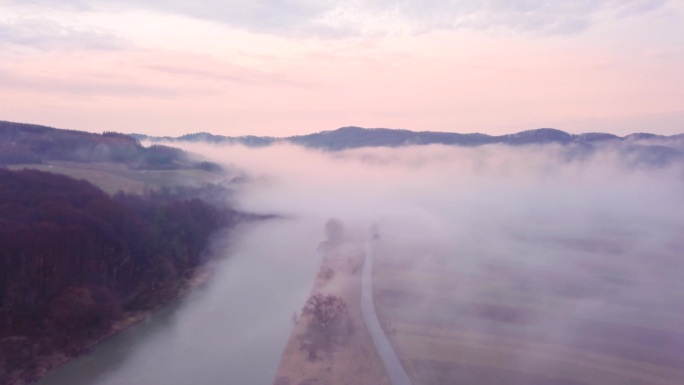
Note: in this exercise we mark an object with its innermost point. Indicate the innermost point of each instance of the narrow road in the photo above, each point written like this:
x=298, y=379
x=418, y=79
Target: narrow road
x=393, y=366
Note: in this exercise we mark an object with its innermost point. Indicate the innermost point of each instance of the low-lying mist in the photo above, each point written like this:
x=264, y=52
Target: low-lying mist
x=457, y=193
x=568, y=239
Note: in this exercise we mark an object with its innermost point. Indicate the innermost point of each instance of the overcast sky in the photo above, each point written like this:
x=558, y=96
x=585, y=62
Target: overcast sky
x=285, y=67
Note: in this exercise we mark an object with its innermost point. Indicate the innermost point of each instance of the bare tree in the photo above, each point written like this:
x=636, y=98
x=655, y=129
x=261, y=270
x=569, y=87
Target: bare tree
x=328, y=319
x=334, y=231
x=334, y=235
x=326, y=310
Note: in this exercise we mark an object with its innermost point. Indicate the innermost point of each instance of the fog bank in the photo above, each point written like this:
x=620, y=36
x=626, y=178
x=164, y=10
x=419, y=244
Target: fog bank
x=576, y=251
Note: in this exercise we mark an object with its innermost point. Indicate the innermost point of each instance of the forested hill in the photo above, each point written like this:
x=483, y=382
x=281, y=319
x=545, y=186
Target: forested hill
x=639, y=148
x=74, y=259
x=25, y=143
x=357, y=137
x=30, y=144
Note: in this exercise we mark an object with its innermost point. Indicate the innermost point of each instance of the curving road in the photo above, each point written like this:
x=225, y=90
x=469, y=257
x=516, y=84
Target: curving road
x=393, y=366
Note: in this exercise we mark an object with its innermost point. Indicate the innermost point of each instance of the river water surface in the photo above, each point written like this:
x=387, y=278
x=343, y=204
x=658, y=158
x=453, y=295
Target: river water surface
x=232, y=331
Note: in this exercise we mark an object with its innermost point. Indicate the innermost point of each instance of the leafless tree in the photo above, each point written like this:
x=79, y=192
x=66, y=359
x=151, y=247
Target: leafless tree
x=334, y=231
x=328, y=322
x=326, y=311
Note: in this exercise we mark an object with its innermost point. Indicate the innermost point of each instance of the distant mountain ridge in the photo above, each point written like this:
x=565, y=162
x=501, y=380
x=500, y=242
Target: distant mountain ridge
x=27, y=143
x=357, y=137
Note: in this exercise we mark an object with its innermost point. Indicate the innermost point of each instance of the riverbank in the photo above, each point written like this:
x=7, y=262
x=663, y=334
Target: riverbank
x=352, y=358
x=44, y=364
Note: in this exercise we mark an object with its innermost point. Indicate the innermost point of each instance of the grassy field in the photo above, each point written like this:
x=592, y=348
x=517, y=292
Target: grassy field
x=114, y=177
x=492, y=325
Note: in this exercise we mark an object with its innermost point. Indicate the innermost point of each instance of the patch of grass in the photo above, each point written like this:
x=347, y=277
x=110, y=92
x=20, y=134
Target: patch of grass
x=114, y=177
x=451, y=328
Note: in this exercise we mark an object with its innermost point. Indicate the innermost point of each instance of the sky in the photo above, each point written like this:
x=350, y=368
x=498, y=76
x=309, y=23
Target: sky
x=285, y=67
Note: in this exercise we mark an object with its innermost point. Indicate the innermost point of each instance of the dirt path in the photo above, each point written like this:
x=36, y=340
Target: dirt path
x=389, y=357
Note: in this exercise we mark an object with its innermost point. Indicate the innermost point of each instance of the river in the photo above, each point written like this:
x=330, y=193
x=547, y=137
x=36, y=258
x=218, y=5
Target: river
x=231, y=331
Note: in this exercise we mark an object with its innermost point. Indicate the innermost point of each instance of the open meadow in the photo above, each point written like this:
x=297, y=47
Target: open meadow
x=507, y=323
